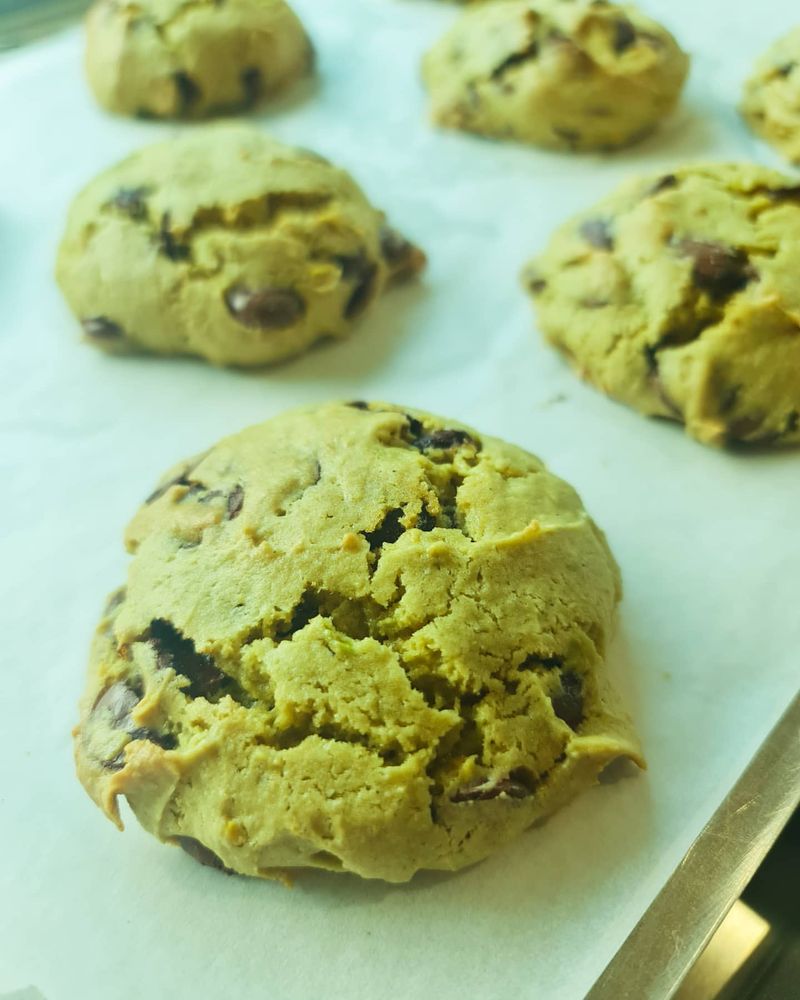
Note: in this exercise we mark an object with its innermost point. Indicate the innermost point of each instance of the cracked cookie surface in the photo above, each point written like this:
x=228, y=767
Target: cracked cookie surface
x=771, y=100
x=357, y=638
x=678, y=295
x=557, y=73
x=224, y=243
x=192, y=58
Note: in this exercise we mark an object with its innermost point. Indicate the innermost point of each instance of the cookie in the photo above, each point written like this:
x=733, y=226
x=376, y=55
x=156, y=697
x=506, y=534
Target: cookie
x=678, y=295
x=566, y=74
x=771, y=100
x=357, y=638
x=226, y=244
x=192, y=58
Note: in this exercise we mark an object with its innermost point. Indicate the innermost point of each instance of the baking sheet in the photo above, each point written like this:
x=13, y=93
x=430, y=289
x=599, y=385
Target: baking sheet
x=707, y=542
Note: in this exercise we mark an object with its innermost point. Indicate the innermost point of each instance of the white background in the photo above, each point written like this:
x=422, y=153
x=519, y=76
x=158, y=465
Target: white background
x=707, y=541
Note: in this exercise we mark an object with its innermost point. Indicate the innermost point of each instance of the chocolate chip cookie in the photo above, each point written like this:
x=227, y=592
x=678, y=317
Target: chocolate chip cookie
x=771, y=102
x=192, y=58
x=354, y=637
x=226, y=244
x=567, y=74
x=678, y=295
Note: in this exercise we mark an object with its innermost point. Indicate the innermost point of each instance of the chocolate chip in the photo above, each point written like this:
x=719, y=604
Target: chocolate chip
x=187, y=90
x=568, y=702
x=389, y=530
x=515, y=59
x=306, y=610
x=360, y=269
x=415, y=427
x=664, y=183
x=201, y=853
x=425, y=520
x=119, y=701
x=164, y=740
x=235, y=502
x=102, y=328
x=785, y=69
x=399, y=253
x=179, y=480
x=624, y=35
x=173, y=650
x=717, y=269
x=534, y=661
x=265, y=308
x=252, y=85
x=491, y=789
x=131, y=201
x=167, y=244
x=358, y=404
x=444, y=440
x=598, y=233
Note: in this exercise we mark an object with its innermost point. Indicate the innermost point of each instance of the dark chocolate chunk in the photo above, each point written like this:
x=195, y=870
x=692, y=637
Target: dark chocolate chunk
x=535, y=284
x=515, y=59
x=358, y=404
x=664, y=183
x=265, y=308
x=534, y=661
x=399, y=253
x=785, y=69
x=359, y=269
x=201, y=853
x=168, y=245
x=164, y=740
x=179, y=480
x=174, y=650
x=235, y=502
x=568, y=702
x=187, y=90
x=389, y=530
x=717, y=269
x=444, y=439
x=305, y=611
x=414, y=426
x=624, y=35
x=598, y=233
x=491, y=789
x=252, y=85
x=425, y=520
x=131, y=201
x=119, y=701
x=102, y=328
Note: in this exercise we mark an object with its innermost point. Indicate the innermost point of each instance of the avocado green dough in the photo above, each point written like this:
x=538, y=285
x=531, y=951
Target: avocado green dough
x=679, y=296
x=226, y=244
x=566, y=74
x=192, y=58
x=771, y=102
x=357, y=638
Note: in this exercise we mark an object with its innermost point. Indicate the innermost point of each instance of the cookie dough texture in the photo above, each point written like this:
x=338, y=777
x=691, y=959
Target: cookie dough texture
x=678, y=295
x=354, y=638
x=771, y=102
x=226, y=244
x=566, y=74
x=192, y=58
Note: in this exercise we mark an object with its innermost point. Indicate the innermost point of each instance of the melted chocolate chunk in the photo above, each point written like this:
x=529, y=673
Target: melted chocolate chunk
x=187, y=90
x=131, y=201
x=444, y=440
x=717, y=269
x=175, y=651
x=102, y=328
x=201, y=853
x=265, y=308
x=389, y=530
x=492, y=789
x=168, y=245
x=568, y=702
x=235, y=502
x=515, y=59
x=252, y=86
x=624, y=35
x=598, y=233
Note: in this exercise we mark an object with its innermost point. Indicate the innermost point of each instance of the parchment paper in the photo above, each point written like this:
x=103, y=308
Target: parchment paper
x=707, y=541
